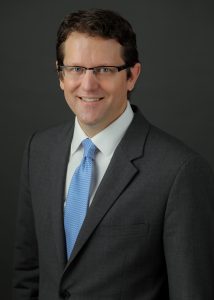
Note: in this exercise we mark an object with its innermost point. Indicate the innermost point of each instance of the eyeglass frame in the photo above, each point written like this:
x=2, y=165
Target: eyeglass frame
x=119, y=68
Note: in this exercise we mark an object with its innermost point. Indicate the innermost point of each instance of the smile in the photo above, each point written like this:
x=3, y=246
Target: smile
x=90, y=99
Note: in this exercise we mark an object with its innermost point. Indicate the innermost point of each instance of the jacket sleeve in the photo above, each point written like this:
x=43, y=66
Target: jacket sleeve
x=189, y=233
x=26, y=264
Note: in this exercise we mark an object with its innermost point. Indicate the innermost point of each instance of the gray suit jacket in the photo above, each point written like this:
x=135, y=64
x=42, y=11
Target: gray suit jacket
x=148, y=235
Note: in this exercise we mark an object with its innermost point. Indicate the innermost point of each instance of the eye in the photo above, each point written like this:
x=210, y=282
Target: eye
x=76, y=69
x=103, y=70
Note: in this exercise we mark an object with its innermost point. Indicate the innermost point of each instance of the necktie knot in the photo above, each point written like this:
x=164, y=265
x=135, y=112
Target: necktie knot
x=89, y=148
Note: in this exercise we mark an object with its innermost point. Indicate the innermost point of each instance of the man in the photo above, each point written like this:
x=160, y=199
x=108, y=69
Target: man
x=147, y=228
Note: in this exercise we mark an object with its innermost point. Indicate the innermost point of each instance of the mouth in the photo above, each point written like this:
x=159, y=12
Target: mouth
x=91, y=99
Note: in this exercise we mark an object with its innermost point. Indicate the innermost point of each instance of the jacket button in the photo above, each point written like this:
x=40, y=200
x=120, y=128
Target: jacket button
x=65, y=294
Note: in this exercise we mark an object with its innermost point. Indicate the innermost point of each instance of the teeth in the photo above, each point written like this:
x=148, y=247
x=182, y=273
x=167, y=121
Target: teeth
x=90, y=99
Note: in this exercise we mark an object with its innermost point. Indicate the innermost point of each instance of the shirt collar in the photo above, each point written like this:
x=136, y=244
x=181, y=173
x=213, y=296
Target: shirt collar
x=108, y=139
x=78, y=136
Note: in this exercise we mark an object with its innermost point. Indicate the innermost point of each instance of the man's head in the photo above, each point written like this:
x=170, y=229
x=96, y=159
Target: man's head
x=93, y=39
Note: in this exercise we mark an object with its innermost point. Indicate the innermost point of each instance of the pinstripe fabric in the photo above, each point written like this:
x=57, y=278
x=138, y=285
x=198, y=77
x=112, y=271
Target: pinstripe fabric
x=78, y=195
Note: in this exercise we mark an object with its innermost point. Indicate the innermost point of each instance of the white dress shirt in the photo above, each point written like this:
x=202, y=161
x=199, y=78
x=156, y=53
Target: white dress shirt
x=106, y=142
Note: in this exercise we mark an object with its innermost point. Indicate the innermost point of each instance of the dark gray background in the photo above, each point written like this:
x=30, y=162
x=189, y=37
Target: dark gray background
x=175, y=92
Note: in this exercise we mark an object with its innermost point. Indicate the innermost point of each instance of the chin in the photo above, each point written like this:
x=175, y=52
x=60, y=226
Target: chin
x=89, y=119
x=86, y=121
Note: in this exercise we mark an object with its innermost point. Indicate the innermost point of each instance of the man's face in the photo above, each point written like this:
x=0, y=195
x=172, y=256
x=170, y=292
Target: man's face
x=96, y=102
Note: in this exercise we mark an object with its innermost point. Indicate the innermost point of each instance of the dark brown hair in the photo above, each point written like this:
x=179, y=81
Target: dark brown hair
x=103, y=23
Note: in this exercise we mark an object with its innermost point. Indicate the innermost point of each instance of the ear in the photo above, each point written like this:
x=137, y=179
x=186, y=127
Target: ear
x=61, y=83
x=135, y=72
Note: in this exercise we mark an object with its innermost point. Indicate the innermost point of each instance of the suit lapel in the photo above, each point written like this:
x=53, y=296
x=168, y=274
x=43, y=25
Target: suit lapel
x=59, y=161
x=130, y=148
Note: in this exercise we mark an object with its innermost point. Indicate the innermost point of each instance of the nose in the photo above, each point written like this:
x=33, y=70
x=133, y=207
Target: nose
x=89, y=81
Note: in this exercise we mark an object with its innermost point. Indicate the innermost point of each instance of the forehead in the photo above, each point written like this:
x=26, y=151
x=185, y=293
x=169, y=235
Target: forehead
x=92, y=49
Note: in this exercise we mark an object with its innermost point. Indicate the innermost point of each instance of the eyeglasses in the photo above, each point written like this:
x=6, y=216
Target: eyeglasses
x=101, y=72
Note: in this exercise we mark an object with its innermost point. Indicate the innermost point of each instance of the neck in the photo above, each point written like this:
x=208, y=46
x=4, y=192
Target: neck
x=92, y=130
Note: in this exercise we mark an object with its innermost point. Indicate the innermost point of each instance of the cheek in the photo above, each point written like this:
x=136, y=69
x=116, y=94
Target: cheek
x=67, y=86
x=116, y=88
x=68, y=89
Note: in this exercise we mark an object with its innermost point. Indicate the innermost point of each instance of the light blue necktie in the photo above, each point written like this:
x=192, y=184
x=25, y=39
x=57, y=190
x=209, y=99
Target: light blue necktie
x=78, y=196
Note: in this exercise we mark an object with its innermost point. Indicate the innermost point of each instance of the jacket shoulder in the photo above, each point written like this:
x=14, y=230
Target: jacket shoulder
x=170, y=154
x=52, y=135
x=158, y=144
